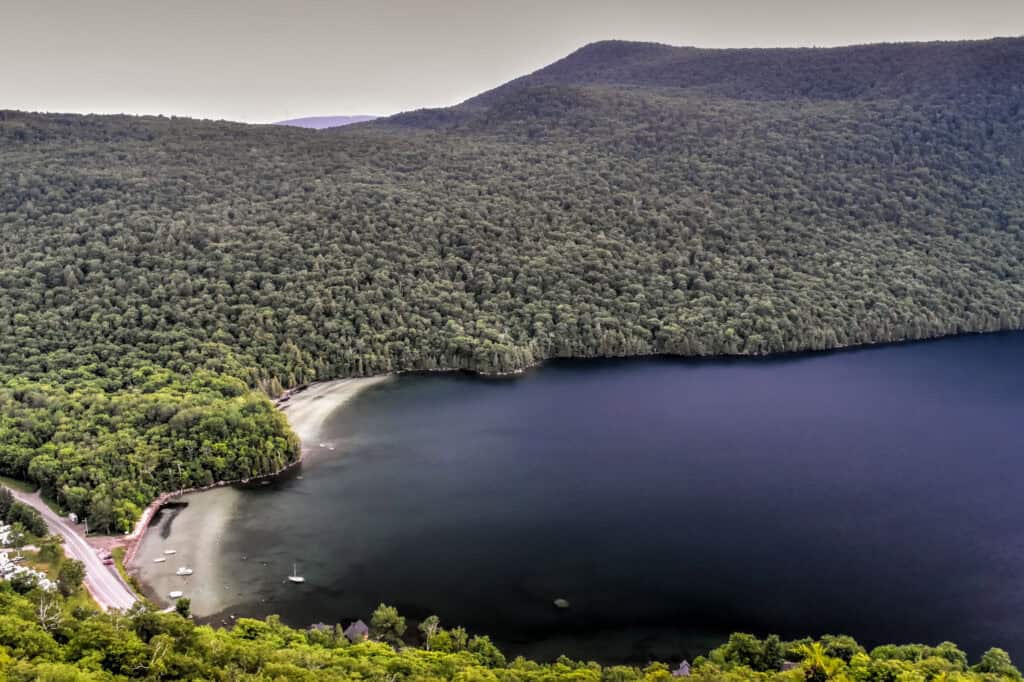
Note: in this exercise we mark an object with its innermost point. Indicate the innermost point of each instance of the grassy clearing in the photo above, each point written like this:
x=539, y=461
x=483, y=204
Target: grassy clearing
x=118, y=554
x=33, y=560
x=26, y=487
x=20, y=486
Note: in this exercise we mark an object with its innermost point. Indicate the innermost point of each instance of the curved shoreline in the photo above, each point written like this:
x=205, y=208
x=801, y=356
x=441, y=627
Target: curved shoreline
x=305, y=408
x=306, y=421
x=739, y=357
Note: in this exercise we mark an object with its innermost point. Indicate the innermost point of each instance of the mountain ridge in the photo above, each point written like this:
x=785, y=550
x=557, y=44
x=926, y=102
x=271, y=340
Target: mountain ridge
x=169, y=269
x=870, y=72
x=616, y=62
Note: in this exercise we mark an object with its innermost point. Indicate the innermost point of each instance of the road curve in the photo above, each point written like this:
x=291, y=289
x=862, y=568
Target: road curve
x=103, y=582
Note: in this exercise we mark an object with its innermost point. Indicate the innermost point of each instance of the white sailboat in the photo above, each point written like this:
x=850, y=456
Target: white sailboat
x=295, y=577
x=184, y=570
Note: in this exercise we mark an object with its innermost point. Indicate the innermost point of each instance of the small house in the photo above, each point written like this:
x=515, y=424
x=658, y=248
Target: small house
x=357, y=632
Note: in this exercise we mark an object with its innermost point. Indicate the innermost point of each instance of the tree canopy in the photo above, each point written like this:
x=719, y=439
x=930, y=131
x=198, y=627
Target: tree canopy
x=45, y=637
x=160, y=276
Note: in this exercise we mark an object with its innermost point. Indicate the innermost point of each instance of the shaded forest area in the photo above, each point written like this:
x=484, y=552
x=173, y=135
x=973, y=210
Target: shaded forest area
x=630, y=199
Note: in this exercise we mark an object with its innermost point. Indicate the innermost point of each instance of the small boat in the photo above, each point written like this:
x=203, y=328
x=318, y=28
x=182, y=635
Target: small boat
x=184, y=570
x=176, y=594
x=295, y=577
x=170, y=551
x=159, y=560
x=323, y=445
x=330, y=447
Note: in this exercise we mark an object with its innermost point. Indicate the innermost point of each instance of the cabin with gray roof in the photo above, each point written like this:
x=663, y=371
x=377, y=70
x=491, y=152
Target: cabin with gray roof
x=357, y=632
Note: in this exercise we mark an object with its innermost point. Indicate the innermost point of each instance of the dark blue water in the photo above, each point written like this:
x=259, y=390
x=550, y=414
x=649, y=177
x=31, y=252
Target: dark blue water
x=874, y=492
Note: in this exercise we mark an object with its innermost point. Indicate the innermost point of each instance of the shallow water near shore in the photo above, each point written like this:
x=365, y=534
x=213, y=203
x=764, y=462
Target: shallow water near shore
x=873, y=492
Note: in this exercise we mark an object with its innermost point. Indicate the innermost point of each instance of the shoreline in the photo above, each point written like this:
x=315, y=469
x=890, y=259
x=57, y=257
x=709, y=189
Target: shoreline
x=854, y=347
x=314, y=403
x=306, y=422
x=306, y=407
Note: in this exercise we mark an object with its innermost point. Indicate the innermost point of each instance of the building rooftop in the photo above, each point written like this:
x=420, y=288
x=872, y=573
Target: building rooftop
x=357, y=631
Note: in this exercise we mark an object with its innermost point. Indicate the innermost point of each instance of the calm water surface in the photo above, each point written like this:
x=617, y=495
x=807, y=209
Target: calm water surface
x=874, y=492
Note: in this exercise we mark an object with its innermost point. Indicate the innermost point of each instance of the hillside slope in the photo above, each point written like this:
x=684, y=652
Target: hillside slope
x=969, y=73
x=630, y=199
x=927, y=70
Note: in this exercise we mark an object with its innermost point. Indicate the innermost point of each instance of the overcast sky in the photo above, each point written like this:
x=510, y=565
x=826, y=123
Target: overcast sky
x=266, y=60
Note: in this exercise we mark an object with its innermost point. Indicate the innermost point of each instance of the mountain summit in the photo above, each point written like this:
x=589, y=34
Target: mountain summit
x=965, y=71
x=859, y=71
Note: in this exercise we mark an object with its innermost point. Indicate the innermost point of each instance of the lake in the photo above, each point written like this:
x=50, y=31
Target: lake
x=872, y=492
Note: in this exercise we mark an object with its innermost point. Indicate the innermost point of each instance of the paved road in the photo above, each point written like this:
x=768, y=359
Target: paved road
x=103, y=582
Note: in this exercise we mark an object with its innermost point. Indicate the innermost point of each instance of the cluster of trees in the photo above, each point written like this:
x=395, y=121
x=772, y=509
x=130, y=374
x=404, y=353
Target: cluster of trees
x=45, y=637
x=20, y=515
x=103, y=447
x=840, y=657
x=69, y=574
x=610, y=205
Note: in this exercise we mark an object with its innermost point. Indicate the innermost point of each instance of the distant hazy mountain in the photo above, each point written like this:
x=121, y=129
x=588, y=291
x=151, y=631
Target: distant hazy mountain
x=321, y=122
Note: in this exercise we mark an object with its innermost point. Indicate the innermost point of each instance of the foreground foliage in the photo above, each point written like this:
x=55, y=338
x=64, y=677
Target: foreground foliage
x=66, y=641
x=629, y=199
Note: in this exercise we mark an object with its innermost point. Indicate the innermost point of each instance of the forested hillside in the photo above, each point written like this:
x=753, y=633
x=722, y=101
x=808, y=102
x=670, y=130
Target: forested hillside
x=629, y=199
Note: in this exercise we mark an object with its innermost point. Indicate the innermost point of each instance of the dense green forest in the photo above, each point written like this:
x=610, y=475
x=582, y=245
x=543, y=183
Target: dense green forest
x=106, y=445
x=24, y=518
x=44, y=636
x=159, y=277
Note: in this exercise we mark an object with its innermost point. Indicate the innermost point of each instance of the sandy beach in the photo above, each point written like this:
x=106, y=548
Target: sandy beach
x=309, y=408
x=210, y=511
x=196, y=541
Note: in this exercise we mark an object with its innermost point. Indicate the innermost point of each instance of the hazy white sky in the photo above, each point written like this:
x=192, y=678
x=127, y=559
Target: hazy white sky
x=265, y=60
